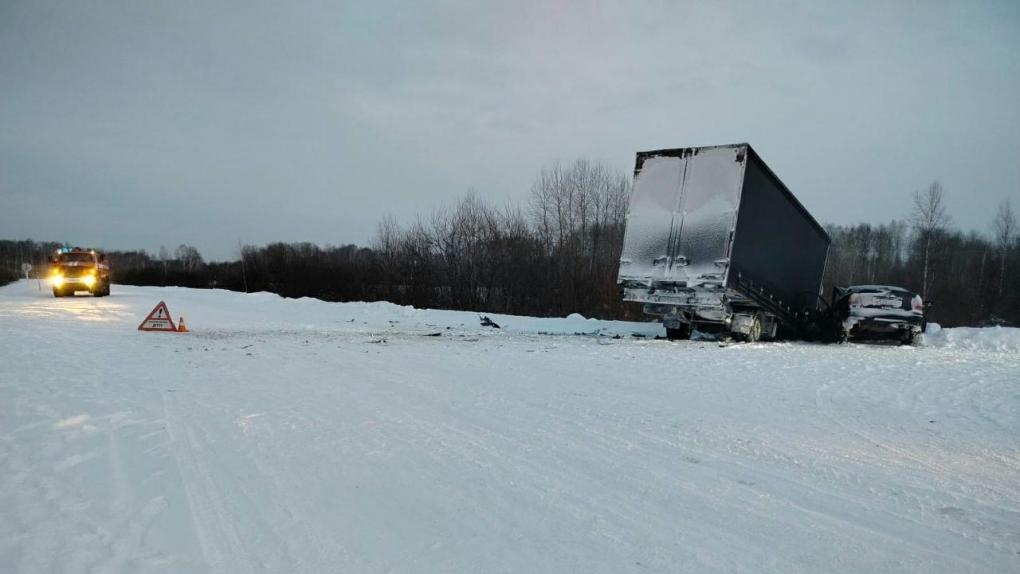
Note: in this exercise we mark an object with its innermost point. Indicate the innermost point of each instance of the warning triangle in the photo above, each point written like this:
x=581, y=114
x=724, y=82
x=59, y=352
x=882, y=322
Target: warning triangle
x=159, y=319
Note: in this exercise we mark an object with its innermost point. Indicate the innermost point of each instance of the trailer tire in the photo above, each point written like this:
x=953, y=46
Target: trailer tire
x=757, y=327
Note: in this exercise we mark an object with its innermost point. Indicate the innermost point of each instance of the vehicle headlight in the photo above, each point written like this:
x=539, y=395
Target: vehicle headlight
x=58, y=279
x=89, y=280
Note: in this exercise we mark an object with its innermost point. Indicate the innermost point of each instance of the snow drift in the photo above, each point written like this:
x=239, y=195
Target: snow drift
x=1001, y=339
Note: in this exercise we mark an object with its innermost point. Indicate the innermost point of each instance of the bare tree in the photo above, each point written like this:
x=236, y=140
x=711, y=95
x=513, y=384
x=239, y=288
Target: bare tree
x=1004, y=232
x=188, y=258
x=578, y=213
x=387, y=245
x=244, y=271
x=929, y=219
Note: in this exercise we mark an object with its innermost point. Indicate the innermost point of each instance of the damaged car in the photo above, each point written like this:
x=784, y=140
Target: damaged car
x=878, y=312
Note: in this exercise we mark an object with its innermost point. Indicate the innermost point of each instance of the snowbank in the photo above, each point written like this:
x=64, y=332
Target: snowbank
x=1004, y=339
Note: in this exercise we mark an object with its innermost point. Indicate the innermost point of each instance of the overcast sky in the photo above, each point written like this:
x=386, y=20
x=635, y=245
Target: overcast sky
x=139, y=124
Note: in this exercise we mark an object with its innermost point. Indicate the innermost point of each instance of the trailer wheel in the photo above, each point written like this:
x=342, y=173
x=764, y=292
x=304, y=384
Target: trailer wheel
x=680, y=333
x=757, y=326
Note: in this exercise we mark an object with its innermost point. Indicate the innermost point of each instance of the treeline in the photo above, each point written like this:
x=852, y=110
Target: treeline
x=558, y=253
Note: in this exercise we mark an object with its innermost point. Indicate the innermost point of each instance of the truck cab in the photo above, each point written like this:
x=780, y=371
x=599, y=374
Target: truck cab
x=77, y=269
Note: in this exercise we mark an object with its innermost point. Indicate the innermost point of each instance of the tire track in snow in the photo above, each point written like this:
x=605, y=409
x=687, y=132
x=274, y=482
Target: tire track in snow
x=997, y=514
x=285, y=511
x=218, y=539
x=824, y=405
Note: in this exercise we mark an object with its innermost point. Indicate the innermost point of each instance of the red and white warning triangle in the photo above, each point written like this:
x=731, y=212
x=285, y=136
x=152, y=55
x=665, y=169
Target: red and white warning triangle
x=158, y=320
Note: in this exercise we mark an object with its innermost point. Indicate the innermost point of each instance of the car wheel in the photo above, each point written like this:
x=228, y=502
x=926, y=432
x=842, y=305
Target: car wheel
x=842, y=335
x=907, y=338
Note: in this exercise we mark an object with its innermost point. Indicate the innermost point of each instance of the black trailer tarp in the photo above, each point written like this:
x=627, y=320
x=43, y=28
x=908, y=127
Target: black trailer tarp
x=777, y=246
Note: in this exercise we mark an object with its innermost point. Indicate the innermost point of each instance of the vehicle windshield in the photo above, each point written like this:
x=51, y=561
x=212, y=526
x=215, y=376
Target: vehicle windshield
x=75, y=257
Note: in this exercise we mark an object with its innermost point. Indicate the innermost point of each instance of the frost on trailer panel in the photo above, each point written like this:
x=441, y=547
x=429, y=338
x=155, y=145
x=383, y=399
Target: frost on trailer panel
x=647, y=238
x=682, y=215
x=708, y=209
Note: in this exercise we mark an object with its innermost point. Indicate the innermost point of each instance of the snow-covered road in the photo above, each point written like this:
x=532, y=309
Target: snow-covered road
x=303, y=436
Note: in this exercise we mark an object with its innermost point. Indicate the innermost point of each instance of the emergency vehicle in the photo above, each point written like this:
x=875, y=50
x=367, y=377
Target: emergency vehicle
x=76, y=269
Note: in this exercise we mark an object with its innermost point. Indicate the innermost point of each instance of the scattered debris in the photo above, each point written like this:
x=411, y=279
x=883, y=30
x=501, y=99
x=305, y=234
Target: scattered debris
x=436, y=334
x=487, y=322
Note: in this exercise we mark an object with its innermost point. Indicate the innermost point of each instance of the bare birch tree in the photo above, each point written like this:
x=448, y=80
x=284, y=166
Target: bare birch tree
x=930, y=219
x=1004, y=231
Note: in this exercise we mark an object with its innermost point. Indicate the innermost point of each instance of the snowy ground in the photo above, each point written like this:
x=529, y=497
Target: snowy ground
x=302, y=436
